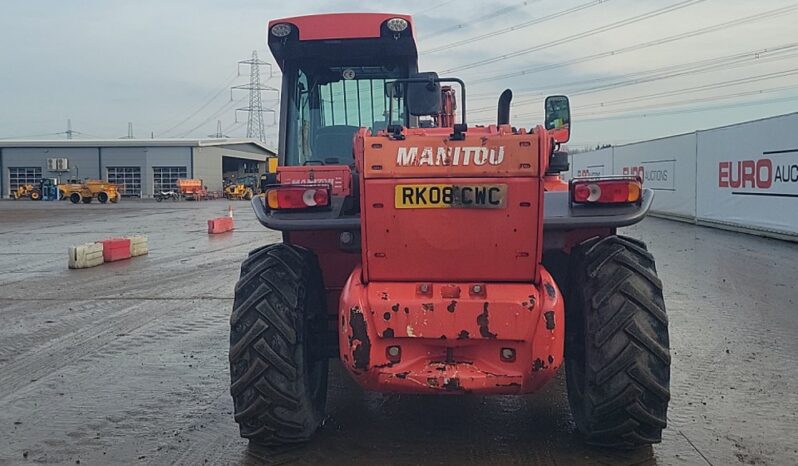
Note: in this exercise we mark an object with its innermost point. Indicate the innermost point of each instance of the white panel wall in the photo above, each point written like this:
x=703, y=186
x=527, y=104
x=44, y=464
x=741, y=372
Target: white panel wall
x=743, y=176
x=595, y=163
x=668, y=167
x=748, y=174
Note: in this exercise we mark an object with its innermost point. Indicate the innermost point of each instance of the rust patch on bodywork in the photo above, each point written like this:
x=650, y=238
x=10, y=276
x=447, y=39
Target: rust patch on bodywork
x=550, y=290
x=359, y=341
x=483, y=323
x=452, y=384
x=538, y=364
x=549, y=316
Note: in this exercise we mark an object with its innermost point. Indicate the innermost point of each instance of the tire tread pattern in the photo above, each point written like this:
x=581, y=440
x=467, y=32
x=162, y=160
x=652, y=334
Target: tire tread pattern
x=618, y=366
x=274, y=302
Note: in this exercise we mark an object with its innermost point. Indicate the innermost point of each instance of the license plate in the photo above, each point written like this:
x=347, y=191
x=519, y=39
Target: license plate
x=441, y=196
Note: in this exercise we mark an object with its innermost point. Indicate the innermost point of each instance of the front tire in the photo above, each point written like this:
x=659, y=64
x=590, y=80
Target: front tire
x=278, y=366
x=102, y=197
x=617, y=344
x=75, y=198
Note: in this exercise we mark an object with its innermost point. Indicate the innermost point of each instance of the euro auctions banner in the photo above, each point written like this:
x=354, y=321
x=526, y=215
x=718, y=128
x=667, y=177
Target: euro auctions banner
x=748, y=174
x=665, y=165
x=595, y=163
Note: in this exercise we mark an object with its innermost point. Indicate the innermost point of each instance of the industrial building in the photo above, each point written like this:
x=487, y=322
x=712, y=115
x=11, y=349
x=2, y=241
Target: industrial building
x=141, y=166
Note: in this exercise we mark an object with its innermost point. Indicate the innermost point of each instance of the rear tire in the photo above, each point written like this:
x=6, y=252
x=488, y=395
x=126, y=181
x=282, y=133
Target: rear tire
x=35, y=195
x=102, y=197
x=617, y=344
x=278, y=366
x=75, y=198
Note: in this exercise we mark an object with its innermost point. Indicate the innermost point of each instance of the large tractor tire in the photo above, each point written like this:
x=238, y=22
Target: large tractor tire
x=278, y=364
x=35, y=195
x=75, y=198
x=102, y=197
x=617, y=346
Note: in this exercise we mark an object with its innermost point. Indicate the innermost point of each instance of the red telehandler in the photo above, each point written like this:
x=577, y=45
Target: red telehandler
x=435, y=257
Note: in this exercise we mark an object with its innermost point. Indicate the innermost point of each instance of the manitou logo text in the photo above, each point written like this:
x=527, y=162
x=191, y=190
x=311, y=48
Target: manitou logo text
x=445, y=156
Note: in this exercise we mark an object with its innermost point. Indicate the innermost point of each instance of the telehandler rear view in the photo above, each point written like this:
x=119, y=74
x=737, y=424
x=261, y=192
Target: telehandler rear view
x=436, y=257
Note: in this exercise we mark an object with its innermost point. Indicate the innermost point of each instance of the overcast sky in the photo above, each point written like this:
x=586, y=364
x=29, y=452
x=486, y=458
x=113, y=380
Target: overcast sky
x=104, y=63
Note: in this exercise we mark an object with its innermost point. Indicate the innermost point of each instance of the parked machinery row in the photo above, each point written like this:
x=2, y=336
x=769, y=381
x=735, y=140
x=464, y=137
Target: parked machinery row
x=77, y=191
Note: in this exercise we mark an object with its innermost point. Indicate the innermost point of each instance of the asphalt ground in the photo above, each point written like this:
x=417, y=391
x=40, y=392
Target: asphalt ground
x=126, y=363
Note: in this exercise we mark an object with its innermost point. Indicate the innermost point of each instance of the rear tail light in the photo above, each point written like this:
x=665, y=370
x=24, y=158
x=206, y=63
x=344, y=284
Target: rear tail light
x=620, y=190
x=297, y=197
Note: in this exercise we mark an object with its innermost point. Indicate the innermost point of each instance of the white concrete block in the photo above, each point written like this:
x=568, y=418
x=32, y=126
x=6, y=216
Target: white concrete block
x=85, y=255
x=138, y=245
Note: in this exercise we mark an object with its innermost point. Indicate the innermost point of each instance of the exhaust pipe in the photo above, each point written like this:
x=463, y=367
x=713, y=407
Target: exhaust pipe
x=503, y=117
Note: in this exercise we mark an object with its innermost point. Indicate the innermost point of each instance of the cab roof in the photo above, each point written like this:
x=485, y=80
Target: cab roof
x=341, y=25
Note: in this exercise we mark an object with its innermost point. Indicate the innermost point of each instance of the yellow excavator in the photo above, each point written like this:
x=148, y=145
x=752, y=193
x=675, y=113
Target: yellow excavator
x=86, y=190
x=27, y=190
x=238, y=192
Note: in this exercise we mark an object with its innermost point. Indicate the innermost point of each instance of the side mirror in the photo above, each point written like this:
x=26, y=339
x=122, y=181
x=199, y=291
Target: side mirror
x=558, y=117
x=424, y=95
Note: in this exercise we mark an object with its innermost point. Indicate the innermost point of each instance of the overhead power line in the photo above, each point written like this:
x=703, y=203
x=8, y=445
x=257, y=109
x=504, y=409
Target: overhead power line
x=643, y=45
x=694, y=89
x=690, y=110
x=227, y=106
x=438, y=5
x=516, y=27
x=202, y=107
x=755, y=57
x=581, y=35
x=693, y=100
x=479, y=19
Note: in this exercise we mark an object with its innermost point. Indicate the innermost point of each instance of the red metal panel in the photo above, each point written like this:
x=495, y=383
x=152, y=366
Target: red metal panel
x=451, y=244
x=336, y=264
x=337, y=176
x=116, y=249
x=486, y=151
x=451, y=345
x=220, y=225
x=340, y=25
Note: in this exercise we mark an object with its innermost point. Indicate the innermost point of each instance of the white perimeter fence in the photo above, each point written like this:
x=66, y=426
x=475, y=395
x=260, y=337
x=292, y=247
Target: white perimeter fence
x=742, y=177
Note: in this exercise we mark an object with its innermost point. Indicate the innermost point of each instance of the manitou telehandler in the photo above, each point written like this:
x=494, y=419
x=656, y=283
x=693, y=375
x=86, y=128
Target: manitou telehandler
x=436, y=257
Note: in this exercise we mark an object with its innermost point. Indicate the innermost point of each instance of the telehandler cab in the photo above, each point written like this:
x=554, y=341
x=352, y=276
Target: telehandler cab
x=433, y=256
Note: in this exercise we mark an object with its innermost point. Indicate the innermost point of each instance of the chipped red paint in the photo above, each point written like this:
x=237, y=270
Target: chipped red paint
x=453, y=351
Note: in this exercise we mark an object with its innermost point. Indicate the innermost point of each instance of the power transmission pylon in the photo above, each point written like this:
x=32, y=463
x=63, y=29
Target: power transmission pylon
x=129, y=131
x=219, y=133
x=69, y=131
x=255, y=126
